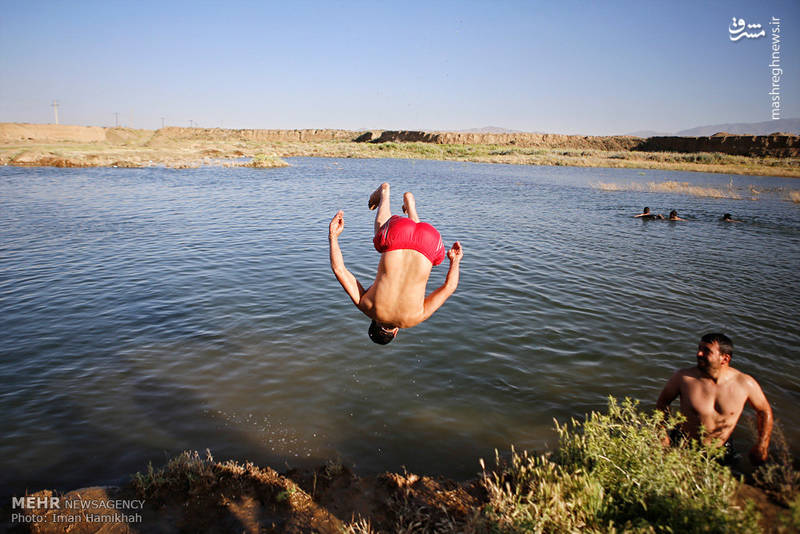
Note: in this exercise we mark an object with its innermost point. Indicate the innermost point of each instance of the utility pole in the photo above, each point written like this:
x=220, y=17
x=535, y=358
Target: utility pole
x=116, y=120
x=55, y=109
x=190, y=123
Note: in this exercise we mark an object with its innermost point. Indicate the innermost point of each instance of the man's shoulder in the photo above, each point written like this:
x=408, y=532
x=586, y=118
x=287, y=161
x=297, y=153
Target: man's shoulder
x=741, y=378
x=689, y=372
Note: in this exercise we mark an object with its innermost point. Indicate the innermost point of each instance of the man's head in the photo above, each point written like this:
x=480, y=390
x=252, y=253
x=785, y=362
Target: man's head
x=673, y=214
x=726, y=217
x=381, y=335
x=646, y=210
x=713, y=352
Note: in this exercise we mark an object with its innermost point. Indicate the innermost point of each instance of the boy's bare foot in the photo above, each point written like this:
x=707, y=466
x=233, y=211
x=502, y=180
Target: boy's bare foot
x=375, y=197
x=410, y=207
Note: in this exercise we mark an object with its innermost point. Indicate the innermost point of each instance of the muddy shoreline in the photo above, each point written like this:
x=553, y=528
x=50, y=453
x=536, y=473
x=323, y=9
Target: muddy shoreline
x=34, y=145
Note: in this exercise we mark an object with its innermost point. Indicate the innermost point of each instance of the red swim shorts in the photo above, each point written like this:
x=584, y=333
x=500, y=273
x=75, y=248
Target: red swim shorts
x=403, y=233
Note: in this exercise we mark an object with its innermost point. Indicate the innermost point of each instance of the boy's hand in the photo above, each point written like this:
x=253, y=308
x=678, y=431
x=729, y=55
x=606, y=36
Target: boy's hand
x=337, y=225
x=455, y=253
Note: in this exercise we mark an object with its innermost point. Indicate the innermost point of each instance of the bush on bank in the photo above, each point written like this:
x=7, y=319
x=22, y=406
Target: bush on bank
x=611, y=474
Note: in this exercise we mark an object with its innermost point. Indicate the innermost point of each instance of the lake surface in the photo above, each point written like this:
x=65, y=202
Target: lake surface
x=148, y=311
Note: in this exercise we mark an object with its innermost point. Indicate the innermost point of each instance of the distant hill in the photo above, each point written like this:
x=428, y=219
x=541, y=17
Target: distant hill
x=489, y=129
x=647, y=133
x=746, y=128
x=791, y=126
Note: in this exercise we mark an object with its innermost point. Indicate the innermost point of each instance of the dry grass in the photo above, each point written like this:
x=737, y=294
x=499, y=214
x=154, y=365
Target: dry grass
x=361, y=526
x=682, y=188
x=143, y=152
x=265, y=161
x=685, y=188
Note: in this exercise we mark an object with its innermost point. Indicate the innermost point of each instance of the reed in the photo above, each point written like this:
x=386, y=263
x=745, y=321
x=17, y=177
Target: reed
x=669, y=186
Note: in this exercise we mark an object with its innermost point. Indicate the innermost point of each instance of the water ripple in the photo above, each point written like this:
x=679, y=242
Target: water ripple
x=147, y=311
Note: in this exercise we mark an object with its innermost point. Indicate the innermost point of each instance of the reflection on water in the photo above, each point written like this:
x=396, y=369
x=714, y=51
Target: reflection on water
x=149, y=311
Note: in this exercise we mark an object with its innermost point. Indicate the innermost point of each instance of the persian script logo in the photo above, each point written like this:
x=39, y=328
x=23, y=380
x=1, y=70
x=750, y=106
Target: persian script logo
x=737, y=27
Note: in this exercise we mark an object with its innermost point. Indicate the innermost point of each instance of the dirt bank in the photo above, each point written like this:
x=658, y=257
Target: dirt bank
x=196, y=495
x=199, y=495
x=171, y=134
x=20, y=132
x=512, y=139
x=777, y=145
x=87, y=146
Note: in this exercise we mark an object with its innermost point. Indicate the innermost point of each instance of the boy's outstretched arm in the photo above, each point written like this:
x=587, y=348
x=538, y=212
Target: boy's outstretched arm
x=352, y=286
x=438, y=296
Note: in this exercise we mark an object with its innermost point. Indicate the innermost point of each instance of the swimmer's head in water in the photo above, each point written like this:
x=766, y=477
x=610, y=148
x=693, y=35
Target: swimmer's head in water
x=646, y=210
x=726, y=217
x=381, y=335
x=673, y=214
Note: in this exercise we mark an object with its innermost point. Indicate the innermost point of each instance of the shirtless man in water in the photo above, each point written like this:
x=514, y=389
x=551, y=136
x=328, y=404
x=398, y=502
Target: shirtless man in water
x=409, y=249
x=713, y=395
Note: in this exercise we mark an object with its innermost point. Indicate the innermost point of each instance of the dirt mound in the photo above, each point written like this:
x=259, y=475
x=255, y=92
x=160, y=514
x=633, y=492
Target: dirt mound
x=14, y=132
x=127, y=136
x=169, y=135
x=199, y=495
x=777, y=146
x=513, y=139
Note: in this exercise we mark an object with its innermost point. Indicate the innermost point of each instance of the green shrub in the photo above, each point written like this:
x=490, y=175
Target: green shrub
x=611, y=473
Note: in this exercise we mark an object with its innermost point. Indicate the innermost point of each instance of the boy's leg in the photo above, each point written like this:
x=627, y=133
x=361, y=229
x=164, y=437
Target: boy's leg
x=410, y=207
x=380, y=199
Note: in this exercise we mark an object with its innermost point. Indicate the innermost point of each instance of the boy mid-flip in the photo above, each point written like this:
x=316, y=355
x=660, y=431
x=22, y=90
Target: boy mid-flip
x=409, y=250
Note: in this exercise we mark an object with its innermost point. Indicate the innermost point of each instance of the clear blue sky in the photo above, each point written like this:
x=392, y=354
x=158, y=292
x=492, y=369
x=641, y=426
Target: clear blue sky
x=562, y=67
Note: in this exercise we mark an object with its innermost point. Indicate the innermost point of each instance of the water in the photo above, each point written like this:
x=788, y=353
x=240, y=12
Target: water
x=148, y=311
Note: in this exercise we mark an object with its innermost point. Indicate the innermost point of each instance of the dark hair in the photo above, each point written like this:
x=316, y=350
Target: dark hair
x=379, y=335
x=673, y=213
x=726, y=216
x=723, y=342
x=646, y=210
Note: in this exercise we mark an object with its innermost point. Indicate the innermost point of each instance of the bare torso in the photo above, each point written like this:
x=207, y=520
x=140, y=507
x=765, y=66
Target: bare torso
x=397, y=296
x=716, y=406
